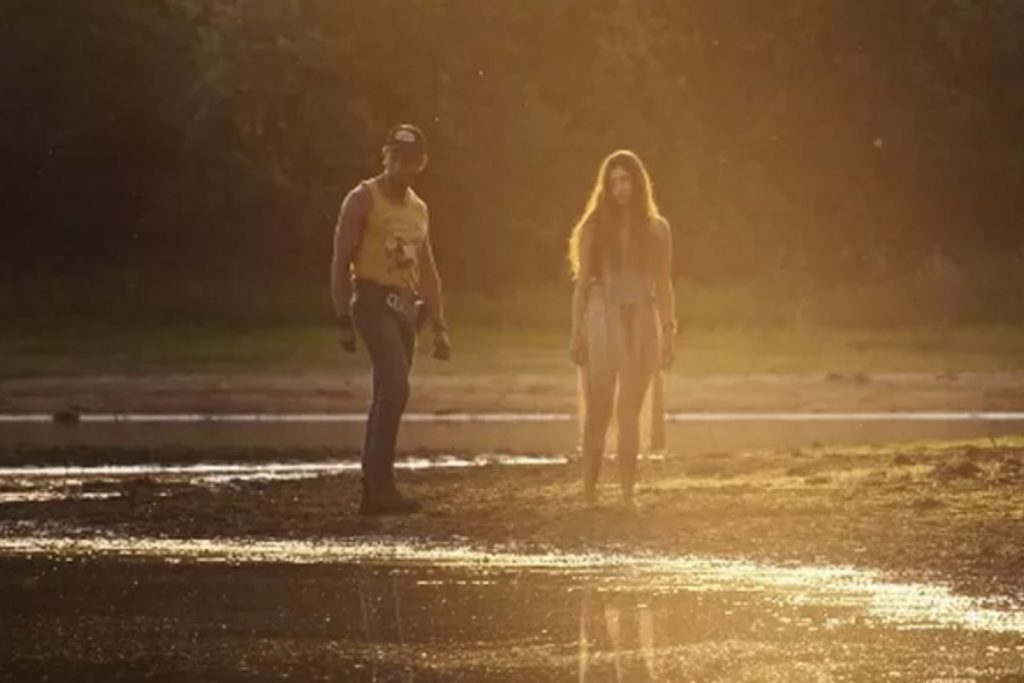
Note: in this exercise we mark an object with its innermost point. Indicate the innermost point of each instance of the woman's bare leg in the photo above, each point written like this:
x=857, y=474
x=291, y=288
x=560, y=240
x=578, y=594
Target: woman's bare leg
x=638, y=365
x=657, y=412
x=632, y=388
x=597, y=412
x=597, y=390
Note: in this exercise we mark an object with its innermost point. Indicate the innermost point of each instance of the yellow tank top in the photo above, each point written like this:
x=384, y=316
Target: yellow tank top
x=392, y=242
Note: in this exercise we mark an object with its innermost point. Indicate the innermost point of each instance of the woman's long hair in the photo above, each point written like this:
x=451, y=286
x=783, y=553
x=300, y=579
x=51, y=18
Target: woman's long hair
x=603, y=214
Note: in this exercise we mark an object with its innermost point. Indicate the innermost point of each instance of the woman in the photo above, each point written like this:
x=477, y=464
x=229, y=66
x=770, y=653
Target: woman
x=623, y=311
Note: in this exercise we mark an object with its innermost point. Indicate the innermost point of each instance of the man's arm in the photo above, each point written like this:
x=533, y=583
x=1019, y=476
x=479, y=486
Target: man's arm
x=433, y=299
x=347, y=233
x=431, y=287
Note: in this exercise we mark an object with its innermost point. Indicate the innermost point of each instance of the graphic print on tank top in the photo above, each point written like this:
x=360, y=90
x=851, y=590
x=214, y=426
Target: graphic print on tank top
x=393, y=241
x=402, y=248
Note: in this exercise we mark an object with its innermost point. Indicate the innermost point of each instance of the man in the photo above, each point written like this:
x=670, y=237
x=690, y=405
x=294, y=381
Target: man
x=382, y=277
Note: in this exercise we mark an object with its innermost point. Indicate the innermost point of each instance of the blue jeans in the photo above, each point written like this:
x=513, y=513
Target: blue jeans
x=391, y=342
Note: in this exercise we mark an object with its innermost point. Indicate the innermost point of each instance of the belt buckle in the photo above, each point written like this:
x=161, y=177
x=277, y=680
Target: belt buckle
x=396, y=303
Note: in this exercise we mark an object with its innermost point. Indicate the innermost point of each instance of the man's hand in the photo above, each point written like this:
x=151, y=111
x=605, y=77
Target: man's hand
x=346, y=333
x=442, y=345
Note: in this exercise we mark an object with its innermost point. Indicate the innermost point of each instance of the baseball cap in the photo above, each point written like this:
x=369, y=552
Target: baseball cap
x=407, y=139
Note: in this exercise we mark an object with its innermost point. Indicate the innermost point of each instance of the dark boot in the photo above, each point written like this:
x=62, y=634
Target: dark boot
x=386, y=501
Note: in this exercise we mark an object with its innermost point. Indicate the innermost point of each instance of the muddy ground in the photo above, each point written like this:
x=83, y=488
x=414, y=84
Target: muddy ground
x=951, y=512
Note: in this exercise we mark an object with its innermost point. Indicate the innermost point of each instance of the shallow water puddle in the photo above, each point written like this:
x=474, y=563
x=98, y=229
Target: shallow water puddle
x=348, y=609
x=272, y=470
x=46, y=495
x=914, y=604
x=44, y=483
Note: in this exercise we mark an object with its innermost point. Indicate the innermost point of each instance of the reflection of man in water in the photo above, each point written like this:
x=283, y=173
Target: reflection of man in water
x=616, y=639
x=381, y=612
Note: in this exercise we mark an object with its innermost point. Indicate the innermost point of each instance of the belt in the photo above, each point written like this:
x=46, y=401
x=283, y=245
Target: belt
x=405, y=303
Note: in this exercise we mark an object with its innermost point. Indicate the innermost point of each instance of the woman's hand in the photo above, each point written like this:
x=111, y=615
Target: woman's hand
x=668, y=354
x=668, y=346
x=578, y=348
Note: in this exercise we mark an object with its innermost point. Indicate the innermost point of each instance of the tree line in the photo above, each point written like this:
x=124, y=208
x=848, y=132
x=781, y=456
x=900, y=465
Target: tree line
x=148, y=144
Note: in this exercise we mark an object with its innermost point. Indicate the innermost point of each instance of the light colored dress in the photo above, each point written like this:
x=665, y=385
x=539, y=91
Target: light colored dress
x=623, y=336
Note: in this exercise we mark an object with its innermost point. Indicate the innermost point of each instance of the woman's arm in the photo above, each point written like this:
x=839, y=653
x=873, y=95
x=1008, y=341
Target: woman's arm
x=664, y=290
x=579, y=294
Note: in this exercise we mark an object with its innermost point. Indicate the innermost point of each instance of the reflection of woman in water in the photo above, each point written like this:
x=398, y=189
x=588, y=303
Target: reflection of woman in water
x=623, y=311
x=616, y=637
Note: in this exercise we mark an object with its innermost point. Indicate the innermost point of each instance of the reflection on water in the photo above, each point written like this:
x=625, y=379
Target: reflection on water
x=616, y=633
x=50, y=483
x=909, y=604
x=380, y=613
x=43, y=496
x=271, y=470
x=216, y=610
